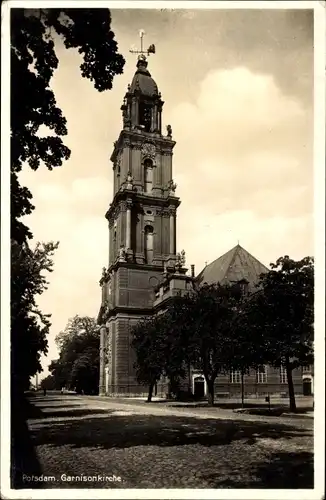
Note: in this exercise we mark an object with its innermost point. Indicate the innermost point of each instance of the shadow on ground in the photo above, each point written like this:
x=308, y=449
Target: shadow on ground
x=107, y=429
x=232, y=406
x=76, y=412
x=284, y=470
x=24, y=460
x=124, y=431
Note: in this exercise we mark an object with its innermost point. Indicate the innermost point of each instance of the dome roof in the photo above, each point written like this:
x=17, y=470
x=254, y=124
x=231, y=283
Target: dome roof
x=142, y=80
x=235, y=265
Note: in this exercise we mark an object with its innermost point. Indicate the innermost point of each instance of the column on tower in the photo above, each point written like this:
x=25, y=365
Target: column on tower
x=172, y=231
x=154, y=118
x=102, y=359
x=134, y=111
x=128, y=225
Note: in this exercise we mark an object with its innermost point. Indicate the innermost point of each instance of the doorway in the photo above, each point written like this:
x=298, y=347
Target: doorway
x=199, y=387
x=307, y=387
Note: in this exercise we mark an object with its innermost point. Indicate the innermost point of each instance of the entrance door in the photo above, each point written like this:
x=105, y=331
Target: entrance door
x=199, y=387
x=306, y=387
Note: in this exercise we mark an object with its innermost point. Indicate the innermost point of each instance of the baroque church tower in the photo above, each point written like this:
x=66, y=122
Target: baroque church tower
x=142, y=228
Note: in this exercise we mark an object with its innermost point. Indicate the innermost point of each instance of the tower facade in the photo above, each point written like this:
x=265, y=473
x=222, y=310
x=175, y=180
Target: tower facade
x=142, y=229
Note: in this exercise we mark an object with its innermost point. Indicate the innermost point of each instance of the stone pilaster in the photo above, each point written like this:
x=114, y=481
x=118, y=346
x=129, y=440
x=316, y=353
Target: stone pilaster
x=128, y=226
x=102, y=360
x=172, y=232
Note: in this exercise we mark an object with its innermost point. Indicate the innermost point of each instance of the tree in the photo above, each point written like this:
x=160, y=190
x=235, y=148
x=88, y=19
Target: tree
x=58, y=372
x=202, y=322
x=48, y=383
x=156, y=351
x=79, y=361
x=29, y=326
x=282, y=313
x=247, y=345
x=147, y=341
x=34, y=112
x=33, y=104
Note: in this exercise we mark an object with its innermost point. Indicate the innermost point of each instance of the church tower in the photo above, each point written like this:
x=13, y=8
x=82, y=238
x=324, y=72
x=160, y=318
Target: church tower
x=142, y=228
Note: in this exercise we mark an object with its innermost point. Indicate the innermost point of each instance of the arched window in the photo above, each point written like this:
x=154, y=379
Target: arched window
x=148, y=175
x=148, y=244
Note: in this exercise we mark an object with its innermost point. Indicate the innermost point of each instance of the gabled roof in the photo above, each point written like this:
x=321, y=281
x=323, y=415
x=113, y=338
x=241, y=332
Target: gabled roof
x=235, y=265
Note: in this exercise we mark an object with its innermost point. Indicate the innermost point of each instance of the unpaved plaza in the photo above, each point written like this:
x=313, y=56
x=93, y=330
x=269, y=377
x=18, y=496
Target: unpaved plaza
x=84, y=442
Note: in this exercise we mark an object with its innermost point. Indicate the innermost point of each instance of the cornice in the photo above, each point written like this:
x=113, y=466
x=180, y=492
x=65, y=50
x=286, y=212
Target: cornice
x=133, y=265
x=134, y=197
x=135, y=138
x=148, y=311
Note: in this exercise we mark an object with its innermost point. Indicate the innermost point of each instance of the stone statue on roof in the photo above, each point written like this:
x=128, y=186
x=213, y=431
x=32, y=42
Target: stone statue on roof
x=129, y=181
x=172, y=186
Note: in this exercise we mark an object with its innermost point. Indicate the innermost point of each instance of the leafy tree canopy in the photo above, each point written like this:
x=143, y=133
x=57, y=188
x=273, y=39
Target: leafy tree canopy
x=48, y=383
x=33, y=104
x=29, y=326
x=283, y=311
x=282, y=314
x=79, y=360
x=195, y=329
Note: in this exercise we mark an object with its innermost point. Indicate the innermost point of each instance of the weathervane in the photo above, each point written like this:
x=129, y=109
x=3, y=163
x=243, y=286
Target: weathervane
x=142, y=52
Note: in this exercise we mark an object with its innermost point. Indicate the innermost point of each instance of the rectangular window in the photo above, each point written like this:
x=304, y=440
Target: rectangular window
x=148, y=174
x=283, y=376
x=235, y=377
x=306, y=369
x=262, y=375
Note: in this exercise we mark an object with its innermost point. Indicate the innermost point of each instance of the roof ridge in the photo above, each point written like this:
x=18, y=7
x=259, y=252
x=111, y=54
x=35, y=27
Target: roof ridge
x=253, y=257
x=224, y=269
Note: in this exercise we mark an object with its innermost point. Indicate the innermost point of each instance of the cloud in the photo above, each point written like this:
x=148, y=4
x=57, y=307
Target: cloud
x=243, y=165
x=208, y=236
x=74, y=216
x=244, y=138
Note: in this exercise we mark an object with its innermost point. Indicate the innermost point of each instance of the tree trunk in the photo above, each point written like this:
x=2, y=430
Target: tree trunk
x=150, y=392
x=242, y=389
x=288, y=368
x=189, y=379
x=169, y=389
x=210, y=395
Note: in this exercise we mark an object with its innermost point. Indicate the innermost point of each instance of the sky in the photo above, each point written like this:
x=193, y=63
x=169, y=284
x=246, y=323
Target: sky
x=238, y=92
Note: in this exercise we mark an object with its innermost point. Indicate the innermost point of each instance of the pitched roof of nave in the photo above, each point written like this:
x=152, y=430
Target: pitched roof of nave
x=143, y=81
x=235, y=265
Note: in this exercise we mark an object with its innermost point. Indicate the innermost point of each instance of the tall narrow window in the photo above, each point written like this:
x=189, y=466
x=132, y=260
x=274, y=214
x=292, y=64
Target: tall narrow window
x=262, y=375
x=148, y=174
x=283, y=377
x=145, y=116
x=235, y=377
x=149, y=235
